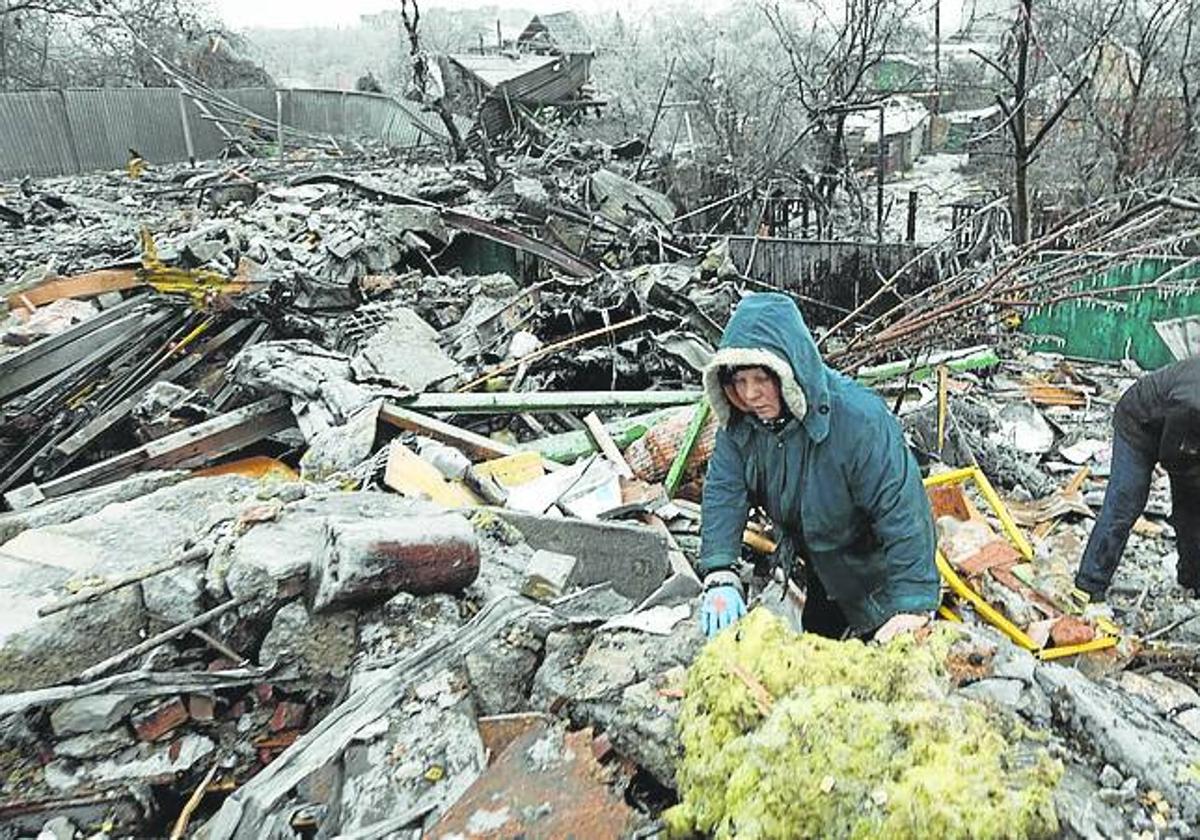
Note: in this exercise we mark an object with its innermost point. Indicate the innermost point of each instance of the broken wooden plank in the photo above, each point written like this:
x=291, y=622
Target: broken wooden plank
x=200, y=444
x=58, y=352
x=607, y=445
x=89, y=284
x=475, y=446
x=411, y=475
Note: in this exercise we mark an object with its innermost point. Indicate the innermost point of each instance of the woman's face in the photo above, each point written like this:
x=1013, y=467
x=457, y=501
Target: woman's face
x=759, y=390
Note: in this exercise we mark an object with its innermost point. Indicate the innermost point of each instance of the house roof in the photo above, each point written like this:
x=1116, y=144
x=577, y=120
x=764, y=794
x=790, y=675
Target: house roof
x=495, y=70
x=901, y=114
x=563, y=30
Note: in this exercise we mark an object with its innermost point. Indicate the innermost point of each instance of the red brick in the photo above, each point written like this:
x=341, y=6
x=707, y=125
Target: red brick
x=288, y=716
x=264, y=692
x=1069, y=630
x=160, y=719
x=602, y=747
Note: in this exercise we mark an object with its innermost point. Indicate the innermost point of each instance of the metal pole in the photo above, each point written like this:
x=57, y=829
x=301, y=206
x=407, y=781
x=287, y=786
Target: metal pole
x=654, y=123
x=937, y=57
x=879, y=164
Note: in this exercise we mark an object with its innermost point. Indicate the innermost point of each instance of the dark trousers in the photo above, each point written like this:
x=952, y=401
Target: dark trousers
x=1124, y=501
x=821, y=615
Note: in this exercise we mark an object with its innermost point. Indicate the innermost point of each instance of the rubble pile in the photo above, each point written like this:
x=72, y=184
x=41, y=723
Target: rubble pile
x=356, y=498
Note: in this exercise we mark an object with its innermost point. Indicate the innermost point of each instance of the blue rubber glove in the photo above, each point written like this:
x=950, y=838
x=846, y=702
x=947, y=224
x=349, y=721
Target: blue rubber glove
x=720, y=606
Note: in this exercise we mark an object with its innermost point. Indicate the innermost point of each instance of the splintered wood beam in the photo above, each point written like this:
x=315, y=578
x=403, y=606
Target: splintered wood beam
x=200, y=444
x=505, y=402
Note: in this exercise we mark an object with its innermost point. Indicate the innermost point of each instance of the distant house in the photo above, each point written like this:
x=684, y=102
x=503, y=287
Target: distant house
x=900, y=73
x=905, y=122
x=497, y=86
x=560, y=32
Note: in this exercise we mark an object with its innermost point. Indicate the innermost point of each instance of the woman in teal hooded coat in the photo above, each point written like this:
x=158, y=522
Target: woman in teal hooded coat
x=827, y=462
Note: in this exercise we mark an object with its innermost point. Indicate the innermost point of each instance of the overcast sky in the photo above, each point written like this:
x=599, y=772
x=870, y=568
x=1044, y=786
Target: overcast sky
x=243, y=14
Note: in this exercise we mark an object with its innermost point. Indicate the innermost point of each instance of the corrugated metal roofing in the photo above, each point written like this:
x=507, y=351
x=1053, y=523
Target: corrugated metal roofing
x=495, y=70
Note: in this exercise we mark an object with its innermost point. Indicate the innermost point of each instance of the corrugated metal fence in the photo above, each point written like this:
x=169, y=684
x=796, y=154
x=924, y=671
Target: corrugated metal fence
x=832, y=276
x=65, y=132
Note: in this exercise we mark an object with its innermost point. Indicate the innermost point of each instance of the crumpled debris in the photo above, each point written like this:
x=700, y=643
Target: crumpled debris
x=319, y=381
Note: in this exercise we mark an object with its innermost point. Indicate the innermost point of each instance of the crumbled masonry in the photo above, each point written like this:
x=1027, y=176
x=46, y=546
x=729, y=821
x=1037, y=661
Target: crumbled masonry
x=856, y=741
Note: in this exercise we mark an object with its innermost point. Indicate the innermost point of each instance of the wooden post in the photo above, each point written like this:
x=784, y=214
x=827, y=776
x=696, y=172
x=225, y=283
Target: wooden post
x=187, y=131
x=279, y=120
x=662, y=95
x=69, y=133
x=911, y=232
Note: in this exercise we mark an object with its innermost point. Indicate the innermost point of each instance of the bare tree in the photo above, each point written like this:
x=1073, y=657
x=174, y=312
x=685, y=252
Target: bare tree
x=59, y=43
x=832, y=62
x=430, y=95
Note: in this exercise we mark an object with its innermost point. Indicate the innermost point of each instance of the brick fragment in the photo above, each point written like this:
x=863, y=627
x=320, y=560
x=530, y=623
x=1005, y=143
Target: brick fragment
x=160, y=719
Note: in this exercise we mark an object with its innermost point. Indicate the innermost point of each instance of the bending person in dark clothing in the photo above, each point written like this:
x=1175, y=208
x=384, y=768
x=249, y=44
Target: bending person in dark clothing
x=1157, y=421
x=827, y=461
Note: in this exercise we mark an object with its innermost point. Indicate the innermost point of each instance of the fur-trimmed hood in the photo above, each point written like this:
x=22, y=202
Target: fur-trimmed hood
x=767, y=329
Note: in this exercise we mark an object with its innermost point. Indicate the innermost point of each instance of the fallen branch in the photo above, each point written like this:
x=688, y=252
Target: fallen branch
x=185, y=816
x=551, y=349
x=161, y=639
x=199, y=552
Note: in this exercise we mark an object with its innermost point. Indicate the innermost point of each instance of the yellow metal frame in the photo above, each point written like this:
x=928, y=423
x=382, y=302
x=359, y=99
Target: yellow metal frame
x=985, y=610
x=198, y=284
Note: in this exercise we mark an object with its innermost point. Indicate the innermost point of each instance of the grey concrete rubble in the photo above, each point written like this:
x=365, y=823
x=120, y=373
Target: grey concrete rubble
x=374, y=639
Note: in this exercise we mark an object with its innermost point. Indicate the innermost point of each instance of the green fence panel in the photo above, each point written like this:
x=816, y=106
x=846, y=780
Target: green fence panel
x=1119, y=325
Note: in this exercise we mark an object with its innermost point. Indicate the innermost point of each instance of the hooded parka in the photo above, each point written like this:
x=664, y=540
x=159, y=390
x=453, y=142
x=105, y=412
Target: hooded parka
x=836, y=479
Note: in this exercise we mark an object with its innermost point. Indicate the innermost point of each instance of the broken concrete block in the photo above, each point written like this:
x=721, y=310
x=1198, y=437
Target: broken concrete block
x=633, y=557
x=85, y=502
x=148, y=763
x=36, y=652
x=94, y=713
x=501, y=671
x=175, y=596
x=1128, y=733
x=341, y=448
x=59, y=828
x=1110, y=777
x=548, y=575
x=404, y=353
x=272, y=560
x=94, y=745
x=421, y=753
x=370, y=561
x=160, y=719
x=1189, y=719
x=304, y=646
x=998, y=691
